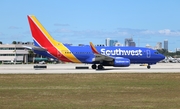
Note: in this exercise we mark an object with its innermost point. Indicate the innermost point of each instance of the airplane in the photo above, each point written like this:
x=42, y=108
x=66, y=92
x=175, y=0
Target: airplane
x=98, y=56
x=165, y=60
x=172, y=60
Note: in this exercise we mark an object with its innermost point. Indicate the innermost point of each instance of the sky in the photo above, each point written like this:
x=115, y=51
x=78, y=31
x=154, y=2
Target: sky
x=82, y=21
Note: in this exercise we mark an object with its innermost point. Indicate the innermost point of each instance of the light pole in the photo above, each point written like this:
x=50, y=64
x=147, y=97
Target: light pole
x=15, y=55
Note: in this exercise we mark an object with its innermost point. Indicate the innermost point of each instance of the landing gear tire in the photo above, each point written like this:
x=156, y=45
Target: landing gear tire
x=100, y=67
x=148, y=67
x=94, y=66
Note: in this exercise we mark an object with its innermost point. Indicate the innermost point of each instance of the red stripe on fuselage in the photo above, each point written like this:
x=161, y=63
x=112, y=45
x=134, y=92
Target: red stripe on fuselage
x=44, y=42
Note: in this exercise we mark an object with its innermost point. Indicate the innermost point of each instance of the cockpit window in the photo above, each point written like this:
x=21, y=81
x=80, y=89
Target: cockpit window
x=156, y=52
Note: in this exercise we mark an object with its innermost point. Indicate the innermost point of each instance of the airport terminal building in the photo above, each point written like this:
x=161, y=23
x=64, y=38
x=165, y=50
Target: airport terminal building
x=13, y=53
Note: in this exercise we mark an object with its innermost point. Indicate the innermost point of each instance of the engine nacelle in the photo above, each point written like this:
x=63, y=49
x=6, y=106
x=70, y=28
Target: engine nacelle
x=121, y=62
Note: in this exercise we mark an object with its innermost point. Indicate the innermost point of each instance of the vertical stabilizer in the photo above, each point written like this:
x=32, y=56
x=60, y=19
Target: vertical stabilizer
x=44, y=40
x=40, y=36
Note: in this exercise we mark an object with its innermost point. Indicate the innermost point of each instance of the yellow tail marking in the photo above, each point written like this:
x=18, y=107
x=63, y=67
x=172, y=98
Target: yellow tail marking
x=59, y=46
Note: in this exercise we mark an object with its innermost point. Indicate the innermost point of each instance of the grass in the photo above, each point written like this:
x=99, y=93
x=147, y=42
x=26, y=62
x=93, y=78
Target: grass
x=86, y=91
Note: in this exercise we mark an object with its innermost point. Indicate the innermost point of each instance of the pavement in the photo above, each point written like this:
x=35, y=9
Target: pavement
x=71, y=68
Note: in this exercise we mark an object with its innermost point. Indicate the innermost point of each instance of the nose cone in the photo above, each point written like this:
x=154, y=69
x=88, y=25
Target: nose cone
x=162, y=57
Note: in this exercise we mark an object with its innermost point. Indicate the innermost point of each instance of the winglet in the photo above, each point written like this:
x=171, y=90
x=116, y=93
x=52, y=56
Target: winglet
x=93, y=48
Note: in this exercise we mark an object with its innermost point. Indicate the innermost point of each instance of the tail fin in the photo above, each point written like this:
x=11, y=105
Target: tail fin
x=43, y=40
x=40, y=36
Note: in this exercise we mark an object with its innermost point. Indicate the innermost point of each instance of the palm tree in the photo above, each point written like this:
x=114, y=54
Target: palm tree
x=14, y=42
x=31, y=55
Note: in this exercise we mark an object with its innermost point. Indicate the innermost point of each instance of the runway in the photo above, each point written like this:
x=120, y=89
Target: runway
x=70, y=68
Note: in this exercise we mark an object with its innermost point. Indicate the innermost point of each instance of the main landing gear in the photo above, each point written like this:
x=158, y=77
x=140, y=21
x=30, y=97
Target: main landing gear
x=100, y=66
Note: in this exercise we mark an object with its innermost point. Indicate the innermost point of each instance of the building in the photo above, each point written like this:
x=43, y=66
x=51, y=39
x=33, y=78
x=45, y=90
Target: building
x=166, y=44
x=159, y=45
x=132, y=44
x=148, y=46
x=13, y=53
x=118, y=44
x=113, y=42
x=129, y=42
x=107, y=42
x=177, y=49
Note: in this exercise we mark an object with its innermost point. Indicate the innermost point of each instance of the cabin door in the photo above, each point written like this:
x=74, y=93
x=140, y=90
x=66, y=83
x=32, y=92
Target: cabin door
x=148, y=53
x=58, y=54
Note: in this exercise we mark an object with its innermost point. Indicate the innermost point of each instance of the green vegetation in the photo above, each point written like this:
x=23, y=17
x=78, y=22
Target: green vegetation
x=172, y=54
x=14, y=42
x=86, y=91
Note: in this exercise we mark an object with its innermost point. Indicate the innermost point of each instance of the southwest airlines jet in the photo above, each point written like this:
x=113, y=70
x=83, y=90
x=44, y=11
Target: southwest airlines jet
x=98, y=56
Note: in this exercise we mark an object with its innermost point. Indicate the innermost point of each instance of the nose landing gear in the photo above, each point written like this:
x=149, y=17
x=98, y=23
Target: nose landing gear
x=148, y=67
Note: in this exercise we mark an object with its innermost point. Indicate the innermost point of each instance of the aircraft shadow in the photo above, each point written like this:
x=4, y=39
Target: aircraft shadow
x=112, y=69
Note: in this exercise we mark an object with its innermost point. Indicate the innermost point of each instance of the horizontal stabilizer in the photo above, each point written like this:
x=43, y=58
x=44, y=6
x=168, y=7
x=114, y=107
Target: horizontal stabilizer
x=35, y=48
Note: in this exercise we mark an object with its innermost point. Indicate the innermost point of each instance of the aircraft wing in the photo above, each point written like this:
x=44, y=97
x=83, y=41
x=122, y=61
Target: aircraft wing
x=99, y=56
x=35, y=48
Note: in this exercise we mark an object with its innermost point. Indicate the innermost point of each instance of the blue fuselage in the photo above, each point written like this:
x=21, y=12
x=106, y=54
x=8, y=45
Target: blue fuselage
x=134, y=54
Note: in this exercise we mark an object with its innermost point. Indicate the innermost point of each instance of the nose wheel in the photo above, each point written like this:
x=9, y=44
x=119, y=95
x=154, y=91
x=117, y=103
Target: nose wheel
x=148, y=67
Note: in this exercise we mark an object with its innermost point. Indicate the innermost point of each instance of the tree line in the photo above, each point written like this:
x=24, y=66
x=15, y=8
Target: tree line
x=13, y=42
x=172, y=54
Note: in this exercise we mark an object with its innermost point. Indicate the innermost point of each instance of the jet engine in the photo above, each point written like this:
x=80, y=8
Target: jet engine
x=121, y=62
